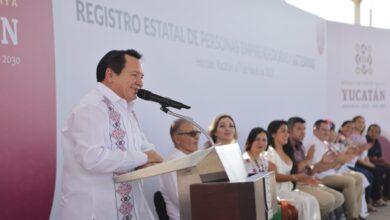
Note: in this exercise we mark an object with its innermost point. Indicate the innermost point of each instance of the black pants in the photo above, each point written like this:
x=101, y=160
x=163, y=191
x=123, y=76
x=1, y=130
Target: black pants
x=386, y=180
x=378, y=180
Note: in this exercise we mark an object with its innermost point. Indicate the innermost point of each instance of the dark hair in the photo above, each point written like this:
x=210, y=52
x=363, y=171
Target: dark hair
x=332, y=125
x=346, y=122
x=372, y=126
x=289, y=151
x=175, y=127
x=272, y=129
x=115, y=60
x=252, y=137
x=318, y=123
x=293, y=120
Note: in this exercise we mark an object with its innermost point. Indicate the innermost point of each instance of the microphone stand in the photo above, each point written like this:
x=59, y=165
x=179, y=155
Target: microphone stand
x=169, y=112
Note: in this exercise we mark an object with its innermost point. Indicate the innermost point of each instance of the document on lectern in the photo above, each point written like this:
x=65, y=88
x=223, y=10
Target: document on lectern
x=231, y=158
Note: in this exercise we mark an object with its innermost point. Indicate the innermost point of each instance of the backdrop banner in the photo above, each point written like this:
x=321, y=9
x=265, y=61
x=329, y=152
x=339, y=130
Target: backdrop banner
x=28, y=110
x=258, y=61
x=358, y=74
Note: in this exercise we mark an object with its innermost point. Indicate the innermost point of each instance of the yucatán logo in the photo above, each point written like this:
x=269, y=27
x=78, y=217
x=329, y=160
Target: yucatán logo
x=363, y=59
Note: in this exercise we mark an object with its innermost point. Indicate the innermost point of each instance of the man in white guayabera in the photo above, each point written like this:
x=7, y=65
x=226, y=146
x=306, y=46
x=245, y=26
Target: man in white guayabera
x=102, y=139
x=185, y=138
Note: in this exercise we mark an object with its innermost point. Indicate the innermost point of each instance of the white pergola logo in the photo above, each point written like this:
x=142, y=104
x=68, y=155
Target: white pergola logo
x=363, y=59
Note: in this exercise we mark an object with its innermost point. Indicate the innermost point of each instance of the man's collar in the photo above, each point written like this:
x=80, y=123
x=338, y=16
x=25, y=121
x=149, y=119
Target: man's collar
x=295, y=144
x=316, y=139
x=179, y=152
x=111, y=95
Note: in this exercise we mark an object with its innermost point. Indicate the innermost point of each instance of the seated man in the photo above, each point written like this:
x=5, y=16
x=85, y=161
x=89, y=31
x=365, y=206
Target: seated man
x=349, y=183
x=328, y=199
x=185, y=137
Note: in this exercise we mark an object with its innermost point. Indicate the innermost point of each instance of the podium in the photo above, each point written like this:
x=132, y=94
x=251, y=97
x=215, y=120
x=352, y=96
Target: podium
x=245, y=200
x=214, y=169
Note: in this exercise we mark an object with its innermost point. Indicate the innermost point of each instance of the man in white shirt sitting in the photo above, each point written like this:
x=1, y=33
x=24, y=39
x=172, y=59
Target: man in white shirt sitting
x=185, y=137
x=102, y=139
x=349, y=183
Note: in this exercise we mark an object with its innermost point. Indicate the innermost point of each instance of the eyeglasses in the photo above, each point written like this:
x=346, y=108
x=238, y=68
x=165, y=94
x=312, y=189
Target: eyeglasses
x=189, y=133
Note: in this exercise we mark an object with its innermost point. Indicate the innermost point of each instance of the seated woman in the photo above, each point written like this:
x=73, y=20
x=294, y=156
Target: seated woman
x=307, y=205
x=222, y=130
x=375, y=155
x=364, y=165
x=255, y=146
x=256, y=162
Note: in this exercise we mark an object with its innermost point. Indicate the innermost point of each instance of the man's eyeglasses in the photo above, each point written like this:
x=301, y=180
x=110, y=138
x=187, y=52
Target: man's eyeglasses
x=189, y=133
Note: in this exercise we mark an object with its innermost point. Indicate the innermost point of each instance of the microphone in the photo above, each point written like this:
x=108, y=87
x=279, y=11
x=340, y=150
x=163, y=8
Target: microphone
x=164, y=101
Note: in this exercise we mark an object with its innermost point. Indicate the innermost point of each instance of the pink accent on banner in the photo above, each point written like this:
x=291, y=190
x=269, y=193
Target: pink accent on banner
x=27, y=109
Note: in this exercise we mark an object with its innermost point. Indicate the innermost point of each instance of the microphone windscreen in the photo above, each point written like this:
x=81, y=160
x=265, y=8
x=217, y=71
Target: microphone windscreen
x=143, y=94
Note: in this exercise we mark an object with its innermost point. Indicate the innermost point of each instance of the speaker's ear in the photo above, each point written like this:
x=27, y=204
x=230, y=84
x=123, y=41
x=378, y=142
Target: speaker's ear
x=108, y=75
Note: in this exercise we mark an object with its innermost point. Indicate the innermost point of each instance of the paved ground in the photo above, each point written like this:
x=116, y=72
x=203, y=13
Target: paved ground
x=383, y=213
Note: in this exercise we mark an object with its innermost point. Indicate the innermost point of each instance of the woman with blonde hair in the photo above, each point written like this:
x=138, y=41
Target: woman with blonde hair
x=222, y=130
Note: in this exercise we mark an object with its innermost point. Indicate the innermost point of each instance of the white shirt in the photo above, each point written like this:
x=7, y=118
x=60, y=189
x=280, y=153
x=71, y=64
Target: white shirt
x=320, y=149
x=359, y=140
x=90, y=159
x=168, y=188
x=341, y=148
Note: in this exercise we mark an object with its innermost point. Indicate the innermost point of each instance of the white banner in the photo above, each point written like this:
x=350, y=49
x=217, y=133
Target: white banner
x=256, y=60
x=358, y=74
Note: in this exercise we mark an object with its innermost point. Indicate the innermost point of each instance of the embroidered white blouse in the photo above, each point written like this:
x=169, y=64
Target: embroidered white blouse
x=255, y=166
x=91, y=157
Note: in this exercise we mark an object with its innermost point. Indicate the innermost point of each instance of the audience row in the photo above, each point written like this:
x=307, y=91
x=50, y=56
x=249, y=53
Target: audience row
x=332, y=175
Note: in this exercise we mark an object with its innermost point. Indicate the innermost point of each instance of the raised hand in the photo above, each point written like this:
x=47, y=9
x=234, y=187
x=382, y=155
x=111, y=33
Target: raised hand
x=329, y=157
x=310, y=153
